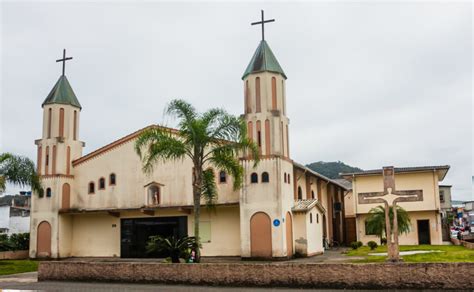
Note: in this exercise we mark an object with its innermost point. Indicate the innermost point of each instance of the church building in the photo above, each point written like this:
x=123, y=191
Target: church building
x=102, y=205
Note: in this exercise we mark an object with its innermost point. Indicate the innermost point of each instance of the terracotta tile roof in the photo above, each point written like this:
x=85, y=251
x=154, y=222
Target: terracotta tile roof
x=301, y=166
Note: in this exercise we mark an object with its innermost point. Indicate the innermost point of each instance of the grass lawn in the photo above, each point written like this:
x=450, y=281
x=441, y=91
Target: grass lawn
x=449, y=253
x=8, y=267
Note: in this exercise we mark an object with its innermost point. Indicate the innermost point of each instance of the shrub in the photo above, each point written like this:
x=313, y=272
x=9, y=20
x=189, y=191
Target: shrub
x=372, y=244
x=20, y=241
x=5, y=244
x=173, y=247
x=354, y=245
x=359, y=244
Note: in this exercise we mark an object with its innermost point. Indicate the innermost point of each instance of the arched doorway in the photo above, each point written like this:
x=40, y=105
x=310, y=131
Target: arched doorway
x=260, y=236
x=289, y=234
x=43, y=242
x=65, y=196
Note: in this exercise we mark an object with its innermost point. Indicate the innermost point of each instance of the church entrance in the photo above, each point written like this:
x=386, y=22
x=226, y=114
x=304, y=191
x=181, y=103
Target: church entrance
x=136, y=231
x=260, y=236
x=423, y=231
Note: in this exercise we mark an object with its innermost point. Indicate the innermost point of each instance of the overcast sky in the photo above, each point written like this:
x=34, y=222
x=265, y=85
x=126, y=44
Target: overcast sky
x=370, y=84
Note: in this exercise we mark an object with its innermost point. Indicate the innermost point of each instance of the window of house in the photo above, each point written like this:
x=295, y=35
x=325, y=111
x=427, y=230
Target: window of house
x=222, y=177
x=366, y=230
x=441, y=196
x=48, y=193
x=91, y=188
x=310, y=217
x=312, y=194
x=101, y=183
x=300, y=194
x=112, y=179
x=317, y=218
x=288, y=180
x=205, y=231
x=284, y=177
x=254, y=178
x=265, y=177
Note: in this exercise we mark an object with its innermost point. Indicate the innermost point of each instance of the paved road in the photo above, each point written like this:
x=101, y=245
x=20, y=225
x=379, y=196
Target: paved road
x=28, y=281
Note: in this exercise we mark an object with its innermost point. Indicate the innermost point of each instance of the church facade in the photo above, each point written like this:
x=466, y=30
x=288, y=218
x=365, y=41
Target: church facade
x=103, y=205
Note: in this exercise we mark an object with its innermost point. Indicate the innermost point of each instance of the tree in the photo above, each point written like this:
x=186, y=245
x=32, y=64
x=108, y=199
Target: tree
x=176, y=248
x=210, y=139
x=18, y=170
x=375, y=222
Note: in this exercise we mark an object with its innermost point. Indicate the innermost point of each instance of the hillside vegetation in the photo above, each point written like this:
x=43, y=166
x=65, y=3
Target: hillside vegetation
x=332, y=169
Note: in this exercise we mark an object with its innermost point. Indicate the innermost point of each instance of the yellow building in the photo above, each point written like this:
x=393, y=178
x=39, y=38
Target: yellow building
x=103, y=205
x=424, y=210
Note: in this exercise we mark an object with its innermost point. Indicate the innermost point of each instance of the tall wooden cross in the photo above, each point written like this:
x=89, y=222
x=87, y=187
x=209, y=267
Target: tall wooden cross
x=64, y=59
x=390, y=197
x=262, y=22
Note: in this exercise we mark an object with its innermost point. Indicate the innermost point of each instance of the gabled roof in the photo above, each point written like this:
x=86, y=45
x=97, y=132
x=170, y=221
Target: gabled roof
x=62, y=93
x=263, y=60
x=441, y=169
x=306, y=205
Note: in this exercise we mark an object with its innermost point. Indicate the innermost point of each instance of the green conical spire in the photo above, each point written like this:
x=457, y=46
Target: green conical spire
x=263, y=60
x=62, y=93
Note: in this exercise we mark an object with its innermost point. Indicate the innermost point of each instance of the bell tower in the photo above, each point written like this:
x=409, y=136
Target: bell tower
x=267, y=196
x=58, y=147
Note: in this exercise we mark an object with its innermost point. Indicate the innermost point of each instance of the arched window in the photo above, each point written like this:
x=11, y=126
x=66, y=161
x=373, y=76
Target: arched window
x=248, y=107
x=112, y=179
x=254, y=178
x=50, y=117
x=61, y=122
x=274, y=93
x=265, y=177
x=48, y=193
x=53, y=167
x=310, y=217
x=267, y=137
x=154, y=195
x=317, y=218
x=101, y=183
x=312, y=194
x=68, y=160
x=300, y=194
x=74, y=130
x=288, y=180
x=91, y=188
x=46, y=163
x=284, y=177
x=258, y=107
x=40, y=155
x=222, y=177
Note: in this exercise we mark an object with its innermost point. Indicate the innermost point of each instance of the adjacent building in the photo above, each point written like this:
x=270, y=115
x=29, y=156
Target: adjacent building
x=424, y=210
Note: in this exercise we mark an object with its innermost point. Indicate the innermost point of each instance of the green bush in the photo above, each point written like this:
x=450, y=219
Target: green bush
x=173, y=247
x=20, y=241
x=372, y=244
x=359, y=244
x=354, y=245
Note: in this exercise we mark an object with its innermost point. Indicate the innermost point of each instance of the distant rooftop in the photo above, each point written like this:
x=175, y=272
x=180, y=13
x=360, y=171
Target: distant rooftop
x=442, y=169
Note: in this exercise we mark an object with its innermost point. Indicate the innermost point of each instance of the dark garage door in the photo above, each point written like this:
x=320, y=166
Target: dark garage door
x=136, y=231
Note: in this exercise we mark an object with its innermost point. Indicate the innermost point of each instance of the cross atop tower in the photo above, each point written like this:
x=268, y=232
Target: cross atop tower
x=262, y=22
x=64, y=59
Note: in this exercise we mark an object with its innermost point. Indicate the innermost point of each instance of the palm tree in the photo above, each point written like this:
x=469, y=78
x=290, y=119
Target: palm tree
x=176, y=248
x=375, y=222
x=18, y=170
x=210, y=139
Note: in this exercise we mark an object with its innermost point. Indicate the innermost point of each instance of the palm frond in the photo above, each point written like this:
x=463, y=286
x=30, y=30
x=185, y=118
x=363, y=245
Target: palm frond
x=161, y=145
x=209, y=188
x=18, y=170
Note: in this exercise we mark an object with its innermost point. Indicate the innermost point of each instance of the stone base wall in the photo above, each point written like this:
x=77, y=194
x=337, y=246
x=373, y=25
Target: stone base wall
x=14, y=255
x=305, y=275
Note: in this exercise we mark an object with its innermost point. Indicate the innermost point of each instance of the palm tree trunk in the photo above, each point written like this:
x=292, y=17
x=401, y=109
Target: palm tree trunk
x=197, y=183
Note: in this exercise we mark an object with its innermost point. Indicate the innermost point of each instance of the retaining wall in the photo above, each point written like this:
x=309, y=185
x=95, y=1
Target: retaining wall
x=305, y=275
x=14, y=255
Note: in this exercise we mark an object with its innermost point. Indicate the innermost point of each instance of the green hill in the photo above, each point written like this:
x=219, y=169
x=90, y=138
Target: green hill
x=332, y=169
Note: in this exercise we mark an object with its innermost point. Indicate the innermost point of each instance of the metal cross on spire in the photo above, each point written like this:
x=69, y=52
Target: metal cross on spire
x=64, y=59
x=262, y=22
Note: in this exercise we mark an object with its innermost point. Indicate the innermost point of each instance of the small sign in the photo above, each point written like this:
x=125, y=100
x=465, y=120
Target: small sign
x=276, y=222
